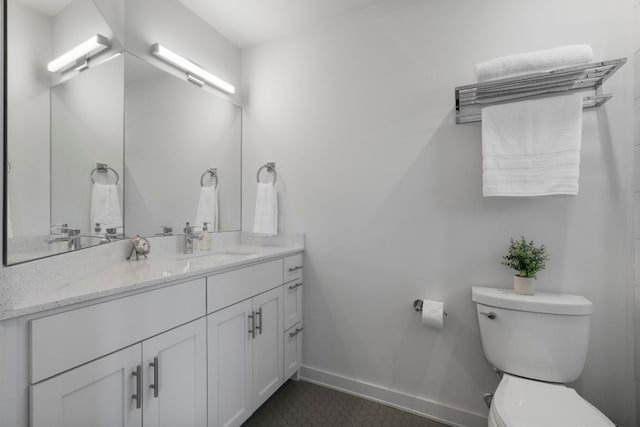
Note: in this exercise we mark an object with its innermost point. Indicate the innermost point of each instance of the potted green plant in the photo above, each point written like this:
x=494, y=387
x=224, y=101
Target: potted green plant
x=527, y=260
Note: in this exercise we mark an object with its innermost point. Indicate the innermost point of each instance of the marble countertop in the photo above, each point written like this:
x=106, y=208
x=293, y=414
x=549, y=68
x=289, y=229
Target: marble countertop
x=39, y=286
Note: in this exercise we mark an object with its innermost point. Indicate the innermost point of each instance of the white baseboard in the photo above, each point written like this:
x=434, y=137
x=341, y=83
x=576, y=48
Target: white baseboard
x=415, y=404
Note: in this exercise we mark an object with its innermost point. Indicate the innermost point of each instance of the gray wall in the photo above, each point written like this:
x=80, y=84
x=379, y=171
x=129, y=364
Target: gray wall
x=359, y=116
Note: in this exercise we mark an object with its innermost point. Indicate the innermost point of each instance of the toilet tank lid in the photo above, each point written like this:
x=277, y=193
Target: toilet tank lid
x=541, y=302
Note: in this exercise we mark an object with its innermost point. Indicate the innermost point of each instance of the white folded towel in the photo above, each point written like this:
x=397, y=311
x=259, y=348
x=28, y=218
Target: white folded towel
x=208, y=208
x=541, y=60
x=266, y=216
x=105, y=206
x=532, y=148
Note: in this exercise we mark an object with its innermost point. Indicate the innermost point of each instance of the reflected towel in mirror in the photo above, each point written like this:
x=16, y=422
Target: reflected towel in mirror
x=105, y=206
x=208, y=208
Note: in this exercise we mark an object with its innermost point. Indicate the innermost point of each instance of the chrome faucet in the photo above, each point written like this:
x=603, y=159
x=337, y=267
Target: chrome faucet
x=189, y=235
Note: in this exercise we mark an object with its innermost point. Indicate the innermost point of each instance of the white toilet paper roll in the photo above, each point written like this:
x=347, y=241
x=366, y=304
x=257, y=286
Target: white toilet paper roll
x=433, y=313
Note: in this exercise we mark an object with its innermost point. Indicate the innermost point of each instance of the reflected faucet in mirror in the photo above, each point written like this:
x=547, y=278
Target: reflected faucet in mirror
x=189, y=235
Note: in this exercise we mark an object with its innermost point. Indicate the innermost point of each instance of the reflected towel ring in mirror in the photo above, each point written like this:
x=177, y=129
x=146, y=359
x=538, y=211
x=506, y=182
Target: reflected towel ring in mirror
x=271, y=167
x=103, y=168
x=213, y=172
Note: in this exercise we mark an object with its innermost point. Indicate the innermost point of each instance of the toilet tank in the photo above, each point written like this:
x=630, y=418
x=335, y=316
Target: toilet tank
x=543, y=336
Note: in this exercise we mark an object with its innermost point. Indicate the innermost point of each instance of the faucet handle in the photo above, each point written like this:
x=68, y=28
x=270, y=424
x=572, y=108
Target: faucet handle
x=74, y=232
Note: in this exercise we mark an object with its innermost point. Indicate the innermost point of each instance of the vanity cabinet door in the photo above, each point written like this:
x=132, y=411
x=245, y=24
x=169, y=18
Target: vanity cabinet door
x=175, y=377
x=292, y=350
x=98, y=394
x=268, y=372
x=229, y=333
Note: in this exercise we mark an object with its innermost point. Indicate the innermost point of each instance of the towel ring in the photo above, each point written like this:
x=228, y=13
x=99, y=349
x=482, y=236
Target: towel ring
x=103, y=168
x=213, y=172
x=271, y=167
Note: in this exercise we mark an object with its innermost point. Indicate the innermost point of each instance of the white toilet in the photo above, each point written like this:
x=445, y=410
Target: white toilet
x=538, y=342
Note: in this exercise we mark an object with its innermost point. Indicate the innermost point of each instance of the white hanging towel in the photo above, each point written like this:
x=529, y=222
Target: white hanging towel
x=266, y=215
x=208, y=208
x=530, y=62
x=105, y=206
x=532, y=148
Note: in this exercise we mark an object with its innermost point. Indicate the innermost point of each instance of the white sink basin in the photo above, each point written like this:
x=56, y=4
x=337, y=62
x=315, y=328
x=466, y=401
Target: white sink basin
x=216, y=255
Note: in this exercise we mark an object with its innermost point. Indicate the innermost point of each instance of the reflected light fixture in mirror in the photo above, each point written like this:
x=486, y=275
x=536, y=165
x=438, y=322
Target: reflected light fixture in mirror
x=194, y=72
x=79, y=54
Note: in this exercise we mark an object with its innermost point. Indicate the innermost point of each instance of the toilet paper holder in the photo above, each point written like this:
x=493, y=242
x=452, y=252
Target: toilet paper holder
x=417, y=306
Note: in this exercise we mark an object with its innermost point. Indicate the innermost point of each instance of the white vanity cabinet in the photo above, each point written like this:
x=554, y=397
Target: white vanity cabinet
x=163, y=377
x=245, y=343
x=162, y=372
x=292, y=336
x=203, y=352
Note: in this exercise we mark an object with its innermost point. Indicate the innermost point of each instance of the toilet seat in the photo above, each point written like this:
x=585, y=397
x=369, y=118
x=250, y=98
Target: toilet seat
x=527, y=403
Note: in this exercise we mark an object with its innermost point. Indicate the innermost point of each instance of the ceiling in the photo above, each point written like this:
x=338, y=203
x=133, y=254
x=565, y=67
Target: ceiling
x=46, y=7
x=248, y=23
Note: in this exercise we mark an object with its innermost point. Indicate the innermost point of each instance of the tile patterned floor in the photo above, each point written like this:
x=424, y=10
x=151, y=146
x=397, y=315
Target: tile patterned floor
x=301, y=403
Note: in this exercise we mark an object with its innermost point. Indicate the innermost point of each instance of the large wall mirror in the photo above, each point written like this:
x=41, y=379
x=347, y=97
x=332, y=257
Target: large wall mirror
x=102, y=145
x=181, y=143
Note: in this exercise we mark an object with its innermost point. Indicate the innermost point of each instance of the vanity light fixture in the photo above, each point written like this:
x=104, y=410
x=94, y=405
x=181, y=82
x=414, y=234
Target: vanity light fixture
x=195, y=73
x=79, y=54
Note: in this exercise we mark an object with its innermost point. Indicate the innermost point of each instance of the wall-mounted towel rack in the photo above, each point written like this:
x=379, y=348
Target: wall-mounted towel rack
x=271, y=167
x=471, y=98
x=214, y=174
x=103, y=168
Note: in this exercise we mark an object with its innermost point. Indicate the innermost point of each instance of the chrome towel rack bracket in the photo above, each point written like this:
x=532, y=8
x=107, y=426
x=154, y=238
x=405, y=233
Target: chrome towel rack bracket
x=470, y=99
x=103, y=168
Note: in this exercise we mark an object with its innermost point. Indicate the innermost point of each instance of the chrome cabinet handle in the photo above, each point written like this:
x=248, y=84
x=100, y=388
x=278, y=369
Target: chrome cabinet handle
x=156, y=369
x=296, y=268
x=252, y=330
x=138, y=396
x=491, y=315
x=296, y=332
x=297, y=285
x=259, y=327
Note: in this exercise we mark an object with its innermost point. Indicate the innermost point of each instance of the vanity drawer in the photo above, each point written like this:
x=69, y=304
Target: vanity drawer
x=63, y=341
x=292, y=303
x=292, y=267
x=234, y=286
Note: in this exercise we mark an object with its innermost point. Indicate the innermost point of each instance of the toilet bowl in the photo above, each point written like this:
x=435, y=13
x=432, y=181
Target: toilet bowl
x=527, y=403
x=538, y=342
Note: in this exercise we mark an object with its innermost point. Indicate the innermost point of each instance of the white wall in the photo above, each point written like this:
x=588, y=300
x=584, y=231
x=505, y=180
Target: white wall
x=359, y=117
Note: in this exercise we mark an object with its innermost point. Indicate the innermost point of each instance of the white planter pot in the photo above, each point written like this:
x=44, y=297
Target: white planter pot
x=524, y=285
